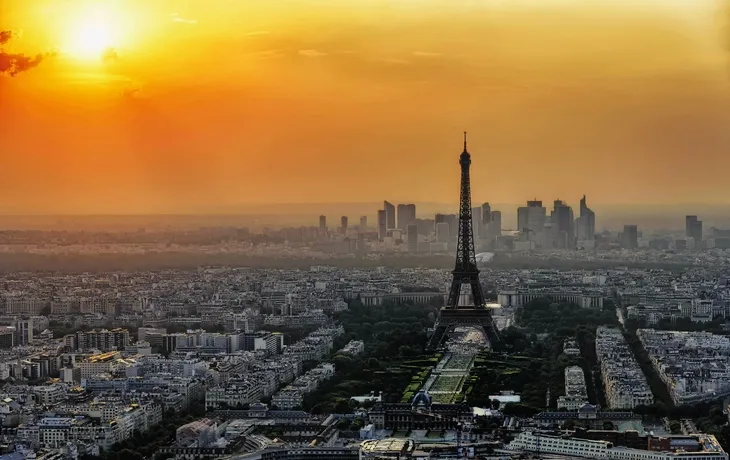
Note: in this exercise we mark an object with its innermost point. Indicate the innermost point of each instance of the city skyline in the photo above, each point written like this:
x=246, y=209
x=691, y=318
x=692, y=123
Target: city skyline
x=205, y=107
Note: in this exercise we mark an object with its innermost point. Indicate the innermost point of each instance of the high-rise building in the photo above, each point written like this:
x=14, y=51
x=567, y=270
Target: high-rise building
x=23, y=331
x=361, y=248
x=322, y=225
x=363, y=223
x=382, y=224
x=452, y=220
x=438, y=219
x=406, y=215
x=586, y=223
x=693, y=228
x=389, y=215
x=630, y=237
x=476, y=222
x=343, y=225
x=562, y=219
x=486, y=213
x=531, y=218
x=412, y=235
x=425, y=226
x=495, y=226
x=442, y=232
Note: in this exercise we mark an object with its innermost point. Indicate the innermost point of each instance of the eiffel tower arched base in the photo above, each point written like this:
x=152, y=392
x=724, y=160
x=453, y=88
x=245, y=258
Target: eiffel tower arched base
x=449, y=319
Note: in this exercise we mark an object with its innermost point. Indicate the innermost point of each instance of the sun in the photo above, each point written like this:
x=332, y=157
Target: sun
x=90, y=34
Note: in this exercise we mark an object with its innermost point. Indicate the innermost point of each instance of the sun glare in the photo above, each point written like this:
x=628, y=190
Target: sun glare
x=90, y=34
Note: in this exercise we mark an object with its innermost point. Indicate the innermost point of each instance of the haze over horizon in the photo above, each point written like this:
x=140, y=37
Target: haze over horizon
x=220, y=104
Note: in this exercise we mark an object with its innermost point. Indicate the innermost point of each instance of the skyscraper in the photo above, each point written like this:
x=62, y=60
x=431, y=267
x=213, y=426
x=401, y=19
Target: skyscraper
x=693, y=228
x=322, y=225
x=442, y=232
x=562, y=218
x=343, y=225
x=389, y=215
x=476, y=222
x=630, y=237
x=412, y=235
x=531, y=218
x=382, y=224
x=406, y=215
x=586, y=223
x=495, y=226
x=486, y=213
x=452, y=220
x=363, y=223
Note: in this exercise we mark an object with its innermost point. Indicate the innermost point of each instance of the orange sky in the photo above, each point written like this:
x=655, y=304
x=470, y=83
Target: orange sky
x=218, y=102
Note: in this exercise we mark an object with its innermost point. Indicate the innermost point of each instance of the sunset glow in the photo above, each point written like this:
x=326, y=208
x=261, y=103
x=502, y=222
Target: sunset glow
x=90, y=32
x=222, y=102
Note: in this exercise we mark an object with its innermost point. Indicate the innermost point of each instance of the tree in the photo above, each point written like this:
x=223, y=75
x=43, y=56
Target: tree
x=495, y=404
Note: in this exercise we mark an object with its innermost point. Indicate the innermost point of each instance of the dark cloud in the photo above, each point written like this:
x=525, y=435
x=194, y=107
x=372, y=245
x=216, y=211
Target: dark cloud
x=5, y=36
x=12, y=64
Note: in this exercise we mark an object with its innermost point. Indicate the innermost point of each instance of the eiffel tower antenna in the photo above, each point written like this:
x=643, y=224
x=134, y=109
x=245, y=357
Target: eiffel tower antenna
x=465, y=273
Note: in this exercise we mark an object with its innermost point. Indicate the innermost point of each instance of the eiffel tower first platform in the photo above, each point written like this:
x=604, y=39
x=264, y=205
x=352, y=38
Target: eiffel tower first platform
x=466, y=275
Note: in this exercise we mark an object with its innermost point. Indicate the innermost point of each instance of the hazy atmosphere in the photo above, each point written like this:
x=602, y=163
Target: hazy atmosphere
x=187, y=106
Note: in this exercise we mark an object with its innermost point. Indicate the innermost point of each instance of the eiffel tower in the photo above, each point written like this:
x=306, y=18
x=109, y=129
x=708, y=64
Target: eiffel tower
x=466, y=274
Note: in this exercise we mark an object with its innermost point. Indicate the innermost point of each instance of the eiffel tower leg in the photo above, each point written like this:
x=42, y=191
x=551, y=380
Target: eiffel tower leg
x=490, y=333
x=437, y=337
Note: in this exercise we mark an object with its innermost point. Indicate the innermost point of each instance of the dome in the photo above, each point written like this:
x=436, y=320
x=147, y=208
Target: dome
x=422, y=399
x=587, y=408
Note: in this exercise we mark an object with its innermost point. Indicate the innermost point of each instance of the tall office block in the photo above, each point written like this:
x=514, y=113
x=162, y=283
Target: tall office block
x=453, y=221
x=693, y=228
x=486, y=213
x=562, y=219
x=531, y=218
x=363, y=223
x=389, y=215
x=382, y=224
x=406, y=215
x=322, y=225
x=476, y=222
x=412, y=235
x=586, y=222
x=343, y=225
x=23, y=331
x=630, y=237
x=442, y=232
x=495, y=226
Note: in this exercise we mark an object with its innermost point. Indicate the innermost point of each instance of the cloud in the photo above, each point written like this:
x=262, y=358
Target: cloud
x=426, y=54
x=311, y=53
x=176, y=18
x=12, y=64
x=5, y=36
